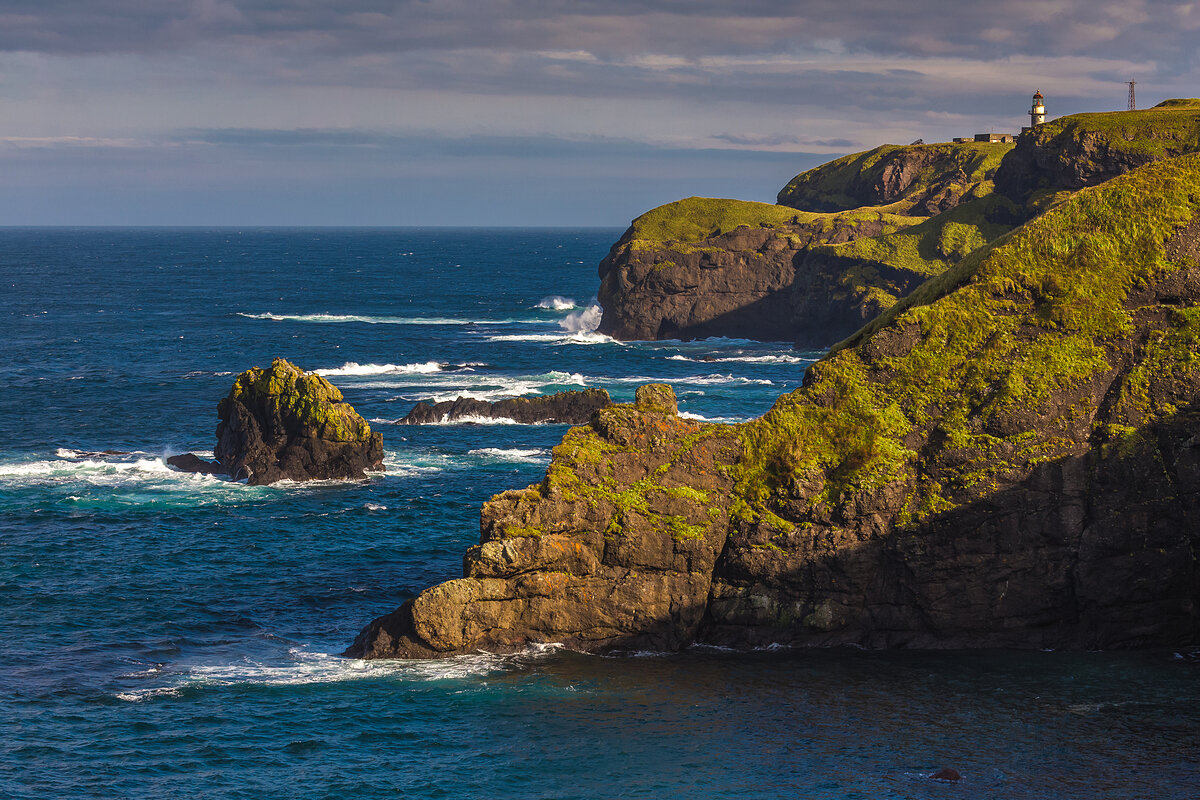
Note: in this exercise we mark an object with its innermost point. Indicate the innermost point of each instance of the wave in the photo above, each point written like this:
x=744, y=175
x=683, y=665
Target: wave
x=354, y=368
x=747, y=359
x=533, y=456
x=714, y=379
x=585, y=320
x=581, y=337
x=302, y=667
x=556, y=302
x=376, y=320
x=700, y=418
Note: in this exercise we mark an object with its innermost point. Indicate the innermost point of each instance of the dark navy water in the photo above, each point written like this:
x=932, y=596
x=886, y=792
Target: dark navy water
x=169, y=635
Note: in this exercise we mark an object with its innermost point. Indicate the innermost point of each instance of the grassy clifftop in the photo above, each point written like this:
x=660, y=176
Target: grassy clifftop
x=696, y=219
x=909, y=176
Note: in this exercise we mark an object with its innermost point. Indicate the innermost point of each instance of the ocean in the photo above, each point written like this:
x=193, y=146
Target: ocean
x=164, y=634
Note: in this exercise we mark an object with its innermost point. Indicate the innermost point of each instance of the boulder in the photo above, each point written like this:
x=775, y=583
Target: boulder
x=282, y=423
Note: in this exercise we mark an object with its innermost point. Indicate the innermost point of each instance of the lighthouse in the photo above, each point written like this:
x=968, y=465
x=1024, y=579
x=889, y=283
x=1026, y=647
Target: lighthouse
x=1037, y=114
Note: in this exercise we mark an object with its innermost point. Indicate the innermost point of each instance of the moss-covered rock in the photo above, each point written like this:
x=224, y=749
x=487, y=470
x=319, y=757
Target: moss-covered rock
x=1072, y=152
x=1009, y=456
x=704, y=267
x=918, y=179
x=282, y=423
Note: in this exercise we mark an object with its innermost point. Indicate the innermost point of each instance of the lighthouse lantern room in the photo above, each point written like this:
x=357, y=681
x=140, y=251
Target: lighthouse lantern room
x=1037, y=114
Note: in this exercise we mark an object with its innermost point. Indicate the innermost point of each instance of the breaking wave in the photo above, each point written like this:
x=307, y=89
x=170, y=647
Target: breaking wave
x=556, y=302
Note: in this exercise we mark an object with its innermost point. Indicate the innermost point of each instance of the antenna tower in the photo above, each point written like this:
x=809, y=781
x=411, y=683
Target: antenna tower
x=1132, y=99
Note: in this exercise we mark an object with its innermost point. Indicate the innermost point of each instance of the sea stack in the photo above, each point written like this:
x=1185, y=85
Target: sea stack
x=282, y=423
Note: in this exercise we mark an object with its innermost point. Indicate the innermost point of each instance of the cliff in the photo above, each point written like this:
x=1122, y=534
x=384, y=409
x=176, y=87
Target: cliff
x=1069, y=153
x=923, y=180
x=703, y=267
x=686, y=275
x=1009, y=456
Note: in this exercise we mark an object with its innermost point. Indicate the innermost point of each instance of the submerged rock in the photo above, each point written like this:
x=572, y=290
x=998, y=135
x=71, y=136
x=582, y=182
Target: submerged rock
x=282, y=423
x=569, y=408
x=1010, y=457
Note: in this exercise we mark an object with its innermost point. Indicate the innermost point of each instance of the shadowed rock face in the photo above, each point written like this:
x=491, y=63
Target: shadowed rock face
x=568, y=408
x=1010, y=457
x=736, y=284
x=282, y=423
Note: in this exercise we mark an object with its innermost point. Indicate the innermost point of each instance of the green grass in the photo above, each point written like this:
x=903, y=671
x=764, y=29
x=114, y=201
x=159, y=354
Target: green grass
x=831, y=186
x=1033, y=316
x=1170, y=128
x=697, y=219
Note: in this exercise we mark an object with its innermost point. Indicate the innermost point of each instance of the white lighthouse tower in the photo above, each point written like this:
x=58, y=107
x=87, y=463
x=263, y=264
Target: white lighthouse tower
x=1037, y=114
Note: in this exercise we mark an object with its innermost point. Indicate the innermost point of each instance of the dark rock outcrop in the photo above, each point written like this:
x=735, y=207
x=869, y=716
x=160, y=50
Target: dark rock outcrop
x=571, y=407
x=282, y=423
x=733, y=279
x=1010, y=457
x=190, y=462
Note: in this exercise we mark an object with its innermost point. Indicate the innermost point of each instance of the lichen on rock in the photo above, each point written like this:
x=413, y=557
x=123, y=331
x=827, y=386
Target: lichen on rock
x=1007, y=457
x=282, y=423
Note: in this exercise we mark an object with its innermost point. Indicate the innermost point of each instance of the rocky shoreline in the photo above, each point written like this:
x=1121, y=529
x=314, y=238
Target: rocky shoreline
x=1007, y=456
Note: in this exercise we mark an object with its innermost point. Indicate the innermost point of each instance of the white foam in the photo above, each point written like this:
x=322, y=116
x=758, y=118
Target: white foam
x=534, y=456
x=698, y=417
x=354, y=368
x=585, y=320
x=374, y=507
x=767, y=359
x=556, y=302
x=308, y=668
x=474, y=420
x=564, y=378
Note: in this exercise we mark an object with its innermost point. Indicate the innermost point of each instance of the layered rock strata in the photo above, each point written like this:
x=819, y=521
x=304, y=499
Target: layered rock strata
x=1009, y=457
x=573, y=407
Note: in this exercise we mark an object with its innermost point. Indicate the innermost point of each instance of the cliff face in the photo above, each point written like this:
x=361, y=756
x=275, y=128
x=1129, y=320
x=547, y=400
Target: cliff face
x=702, y=267
x=926, y=179
x=1010, y=456
x=1081, y=150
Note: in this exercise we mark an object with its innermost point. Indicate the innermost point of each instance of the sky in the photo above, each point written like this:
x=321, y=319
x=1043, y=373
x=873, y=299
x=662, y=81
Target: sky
x=522, y=112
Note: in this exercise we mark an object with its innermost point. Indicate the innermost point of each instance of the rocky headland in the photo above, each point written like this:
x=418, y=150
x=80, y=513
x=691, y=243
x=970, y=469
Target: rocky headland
x=850, y=238
x=282, y=423
x=572, y=407
x=1006, y=456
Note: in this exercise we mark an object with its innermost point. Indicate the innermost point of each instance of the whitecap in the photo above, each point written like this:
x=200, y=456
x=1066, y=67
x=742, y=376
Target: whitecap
x=585, y=320
x=700, y=418
x=556, y=302
x=534, y=456
x=354, y=368
x=375, y=319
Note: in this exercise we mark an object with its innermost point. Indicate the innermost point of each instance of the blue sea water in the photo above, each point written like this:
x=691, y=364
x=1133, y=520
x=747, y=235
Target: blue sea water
x=164, y=634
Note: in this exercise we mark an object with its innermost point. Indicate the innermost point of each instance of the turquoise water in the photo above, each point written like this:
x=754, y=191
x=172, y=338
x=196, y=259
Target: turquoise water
x=167, y=634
